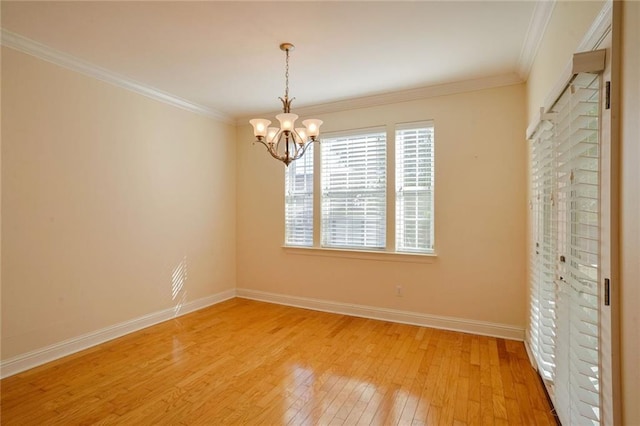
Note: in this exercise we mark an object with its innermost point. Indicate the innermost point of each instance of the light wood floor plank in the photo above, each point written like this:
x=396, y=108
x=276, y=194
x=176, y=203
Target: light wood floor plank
x=245, y=362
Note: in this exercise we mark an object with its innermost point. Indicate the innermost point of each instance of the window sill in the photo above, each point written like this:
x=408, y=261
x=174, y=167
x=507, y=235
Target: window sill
x=384, y=256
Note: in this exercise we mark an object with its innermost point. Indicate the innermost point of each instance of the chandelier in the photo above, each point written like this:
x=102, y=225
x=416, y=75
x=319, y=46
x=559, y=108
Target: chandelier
x=286, y=143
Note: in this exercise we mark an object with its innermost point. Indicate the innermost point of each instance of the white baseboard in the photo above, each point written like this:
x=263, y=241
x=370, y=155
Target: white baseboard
x=392, y=315
x=530, y=355
x=50, y=353
x=41, y=356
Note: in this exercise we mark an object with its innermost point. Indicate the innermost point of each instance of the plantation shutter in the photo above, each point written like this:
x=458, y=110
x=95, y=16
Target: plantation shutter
x=414, y=187
x=543, y=294
x=353, y=186
x=564, y=333
x=577, y=175
x=299, y=201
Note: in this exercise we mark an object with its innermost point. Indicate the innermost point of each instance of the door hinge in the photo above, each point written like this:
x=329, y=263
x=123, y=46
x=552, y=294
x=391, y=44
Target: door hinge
x=607, y=292
x=607, y=95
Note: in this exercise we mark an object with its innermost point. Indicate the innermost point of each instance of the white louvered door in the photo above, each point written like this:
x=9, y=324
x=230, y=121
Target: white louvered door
x=565, y=313
x=543, y=294
x=577, y=265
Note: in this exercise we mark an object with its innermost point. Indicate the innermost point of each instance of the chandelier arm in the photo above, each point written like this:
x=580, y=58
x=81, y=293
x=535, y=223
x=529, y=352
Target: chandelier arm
x=263, y=143
x=293, y=148
x=286, y=104
x=303, y=148
x=270, y=147
x=297, y=138
x=298, y=150
x=275, y=155
x=276, y=146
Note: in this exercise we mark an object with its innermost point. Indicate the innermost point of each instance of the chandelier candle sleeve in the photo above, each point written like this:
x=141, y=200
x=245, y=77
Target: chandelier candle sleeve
x=287, y=121
x=272, y=132
x=302, y=133
x=286, y=143
x=313, y=126
x=260, y=126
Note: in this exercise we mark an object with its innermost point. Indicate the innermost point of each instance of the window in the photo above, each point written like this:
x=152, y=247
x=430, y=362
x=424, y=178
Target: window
x=354, y=178
x=414, y=187
x=299, y=201
x=354, y=189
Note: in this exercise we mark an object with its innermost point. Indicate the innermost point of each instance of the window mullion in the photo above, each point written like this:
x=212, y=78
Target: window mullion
x=317, y=193
x=391, y=188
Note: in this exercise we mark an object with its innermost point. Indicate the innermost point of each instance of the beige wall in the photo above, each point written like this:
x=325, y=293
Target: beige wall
x=104, y=193
x=630, y=213
x=566, y=28
x=479, y=273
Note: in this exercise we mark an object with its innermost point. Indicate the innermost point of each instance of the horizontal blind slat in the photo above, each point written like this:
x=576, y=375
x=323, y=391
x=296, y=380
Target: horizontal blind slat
x=299, y=201
x=353, y=198
x=414, y=188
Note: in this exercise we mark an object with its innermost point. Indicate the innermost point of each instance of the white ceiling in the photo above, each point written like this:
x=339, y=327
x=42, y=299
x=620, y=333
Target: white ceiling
x=225, y=56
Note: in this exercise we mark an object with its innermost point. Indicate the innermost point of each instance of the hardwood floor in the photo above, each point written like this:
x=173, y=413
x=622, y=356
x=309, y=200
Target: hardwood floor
x=246, y=362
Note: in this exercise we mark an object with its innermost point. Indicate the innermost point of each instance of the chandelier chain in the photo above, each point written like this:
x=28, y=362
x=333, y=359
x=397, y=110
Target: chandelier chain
x=286, y=74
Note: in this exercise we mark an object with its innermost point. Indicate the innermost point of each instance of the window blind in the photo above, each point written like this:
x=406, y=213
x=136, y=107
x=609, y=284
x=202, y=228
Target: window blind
x=299, y=201
x=543, y=294
x=577, y=176
x=414, y=187
x=564, y=330
x=353, y=198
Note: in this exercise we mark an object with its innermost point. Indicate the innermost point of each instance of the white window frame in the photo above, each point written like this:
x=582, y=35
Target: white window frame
x=428, y=191
x=377, y=240
x=299, y=191
x=389, y=253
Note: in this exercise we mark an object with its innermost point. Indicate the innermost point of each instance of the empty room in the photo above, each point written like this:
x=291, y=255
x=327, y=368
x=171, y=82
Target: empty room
x=320, y=212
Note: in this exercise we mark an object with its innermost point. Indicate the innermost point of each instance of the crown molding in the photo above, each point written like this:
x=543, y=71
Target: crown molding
x=599, y=29
x=595, y=35
x=41, y=51
x=537, y=26
x=44, y=52
x=401, y=96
